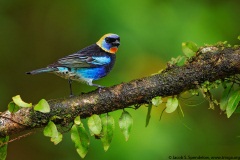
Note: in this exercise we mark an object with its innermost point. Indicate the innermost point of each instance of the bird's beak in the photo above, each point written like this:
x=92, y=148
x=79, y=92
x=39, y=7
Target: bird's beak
x=116, y=43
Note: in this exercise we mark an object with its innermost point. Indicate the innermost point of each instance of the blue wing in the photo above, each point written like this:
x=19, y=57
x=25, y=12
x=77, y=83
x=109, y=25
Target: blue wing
x=101, y=60
x=88, y=57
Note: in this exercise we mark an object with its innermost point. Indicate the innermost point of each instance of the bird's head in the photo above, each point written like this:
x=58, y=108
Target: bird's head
x=109, y=42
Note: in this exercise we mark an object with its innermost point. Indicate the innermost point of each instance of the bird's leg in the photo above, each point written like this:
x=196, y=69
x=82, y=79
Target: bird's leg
x=96, y=85
x=70, y=86
x=99, y=87
x=89, y=82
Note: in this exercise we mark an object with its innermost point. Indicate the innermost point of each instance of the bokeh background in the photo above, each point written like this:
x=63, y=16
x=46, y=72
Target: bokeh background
x=36, y=33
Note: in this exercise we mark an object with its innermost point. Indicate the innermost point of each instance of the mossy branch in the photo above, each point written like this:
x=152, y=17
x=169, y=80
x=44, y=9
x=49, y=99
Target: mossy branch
x=209, y=64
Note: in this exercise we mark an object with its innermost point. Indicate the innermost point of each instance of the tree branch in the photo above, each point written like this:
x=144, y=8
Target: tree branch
x=209, y=64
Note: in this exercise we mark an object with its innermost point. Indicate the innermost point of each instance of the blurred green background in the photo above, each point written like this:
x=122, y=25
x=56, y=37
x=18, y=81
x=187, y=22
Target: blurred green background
x=34, y=34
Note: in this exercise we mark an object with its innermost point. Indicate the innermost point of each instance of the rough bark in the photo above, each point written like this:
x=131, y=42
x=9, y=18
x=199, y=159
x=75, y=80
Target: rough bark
x=209, y=64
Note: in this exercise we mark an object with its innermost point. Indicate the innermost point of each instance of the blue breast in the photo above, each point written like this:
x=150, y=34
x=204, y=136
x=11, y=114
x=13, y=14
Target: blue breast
x=91, y=73
x=80, y=74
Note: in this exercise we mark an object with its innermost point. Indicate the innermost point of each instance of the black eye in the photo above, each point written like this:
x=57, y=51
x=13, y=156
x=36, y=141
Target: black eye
x=107, y=39
x=110, y=40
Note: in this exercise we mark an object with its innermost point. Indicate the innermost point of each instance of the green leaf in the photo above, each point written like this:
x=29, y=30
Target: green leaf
x=239, y=37
x=189, y=49
x=156, y=101
x=225, y=96
x=95, y=124
x=12, y=107
x=107, y=131
x=50, y=130
x=148, y=114
x=125, y=124
x=172, y=104
x=80, y=138
x=3, y=147
x=42, y=106
x=181, y=61
x=77, y=120
x=18, y=101
x=57, y=139
x=233, y=102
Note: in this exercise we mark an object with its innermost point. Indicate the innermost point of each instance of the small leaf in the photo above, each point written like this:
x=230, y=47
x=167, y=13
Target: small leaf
x=50, y=130
x=233, y=102
x=107, y=130
x=18, y=101
x=80, y=138
x=172, y=104
x=125, y=124
x=189, y=49
x=3, y=147
x=148, y=114
x=12, y=107
x=181, y=61
x=77, y=120
x=57, y=139
x=42, y=106
x=95, y=124
x=225, y=96
x=157, y=101
x=239, y=37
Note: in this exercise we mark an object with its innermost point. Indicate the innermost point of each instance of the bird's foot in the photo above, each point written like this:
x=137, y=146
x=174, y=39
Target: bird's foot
x=71, y=95
x=96, y=85
x=100, y=89
x=81, y=93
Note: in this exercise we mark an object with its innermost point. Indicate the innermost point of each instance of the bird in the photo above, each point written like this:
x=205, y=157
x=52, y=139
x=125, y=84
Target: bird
x=88, y=64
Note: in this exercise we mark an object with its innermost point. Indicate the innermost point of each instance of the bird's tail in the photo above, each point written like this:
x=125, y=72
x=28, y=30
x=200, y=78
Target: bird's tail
x=41, y=70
